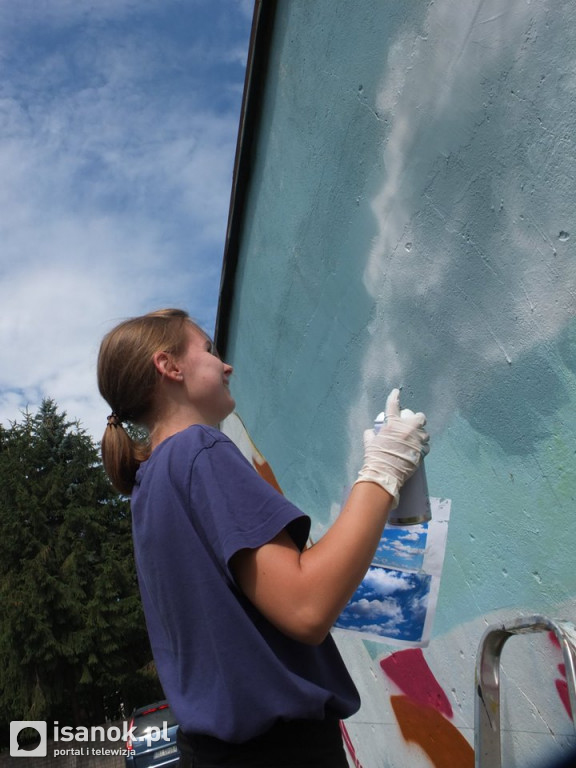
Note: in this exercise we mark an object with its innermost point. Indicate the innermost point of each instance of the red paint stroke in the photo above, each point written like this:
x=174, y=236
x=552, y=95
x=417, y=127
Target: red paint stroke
x=562, y=688
x=438, y=737
x=349, y=745
x=409, y=671
x=562, y=685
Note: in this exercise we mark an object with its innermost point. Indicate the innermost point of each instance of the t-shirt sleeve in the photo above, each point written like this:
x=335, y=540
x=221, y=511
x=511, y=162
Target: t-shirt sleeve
x=236, y=507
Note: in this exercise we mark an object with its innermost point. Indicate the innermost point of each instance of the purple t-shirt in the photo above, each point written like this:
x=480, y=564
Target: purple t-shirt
x=225, y=669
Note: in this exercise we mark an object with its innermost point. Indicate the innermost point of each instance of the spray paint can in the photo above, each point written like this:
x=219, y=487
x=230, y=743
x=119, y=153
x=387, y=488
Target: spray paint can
x=414, y=505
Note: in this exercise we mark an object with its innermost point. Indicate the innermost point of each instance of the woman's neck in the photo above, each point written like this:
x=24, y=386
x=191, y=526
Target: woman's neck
x=168, y=426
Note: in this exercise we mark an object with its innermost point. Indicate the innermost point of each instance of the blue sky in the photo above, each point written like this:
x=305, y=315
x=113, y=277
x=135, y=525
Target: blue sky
x=118, y=125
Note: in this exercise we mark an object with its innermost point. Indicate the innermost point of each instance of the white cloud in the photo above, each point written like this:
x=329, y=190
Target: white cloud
x=405, y=551
x=376, y=609
x=412, y=535
x=385, y=581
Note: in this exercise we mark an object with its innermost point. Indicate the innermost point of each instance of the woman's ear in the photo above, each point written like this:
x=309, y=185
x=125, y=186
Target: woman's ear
x=167, y=366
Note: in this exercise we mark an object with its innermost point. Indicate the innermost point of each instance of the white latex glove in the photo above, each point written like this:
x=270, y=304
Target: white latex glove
x=392, y=455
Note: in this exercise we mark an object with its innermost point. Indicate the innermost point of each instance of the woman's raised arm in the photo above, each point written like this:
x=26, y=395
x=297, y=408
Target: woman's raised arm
x=303, y=593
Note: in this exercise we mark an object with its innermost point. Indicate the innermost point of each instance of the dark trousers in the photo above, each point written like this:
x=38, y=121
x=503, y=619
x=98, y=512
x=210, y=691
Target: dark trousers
x=288, y=744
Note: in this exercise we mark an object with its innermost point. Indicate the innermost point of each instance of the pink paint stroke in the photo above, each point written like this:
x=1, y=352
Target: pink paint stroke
x=562, y=685
x=349, y=745
x=409, y=670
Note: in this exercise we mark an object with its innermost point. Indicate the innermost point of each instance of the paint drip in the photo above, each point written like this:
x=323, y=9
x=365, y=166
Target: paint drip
x=414, y=505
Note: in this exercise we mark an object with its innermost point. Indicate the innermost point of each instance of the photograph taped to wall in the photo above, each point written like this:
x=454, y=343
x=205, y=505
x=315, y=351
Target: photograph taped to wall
x=396, y=601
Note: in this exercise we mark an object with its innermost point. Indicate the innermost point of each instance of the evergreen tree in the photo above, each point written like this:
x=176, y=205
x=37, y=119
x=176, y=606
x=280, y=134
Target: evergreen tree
x=73, y=642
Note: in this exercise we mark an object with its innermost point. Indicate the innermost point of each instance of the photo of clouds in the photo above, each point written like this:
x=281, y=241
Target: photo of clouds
x=397, y=598
x=402, y=547
x=389, y=603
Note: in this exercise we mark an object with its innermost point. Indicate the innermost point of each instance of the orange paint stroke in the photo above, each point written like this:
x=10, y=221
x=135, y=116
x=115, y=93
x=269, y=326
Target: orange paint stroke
x=410, y=672
x=426, y=727
x=265, y=471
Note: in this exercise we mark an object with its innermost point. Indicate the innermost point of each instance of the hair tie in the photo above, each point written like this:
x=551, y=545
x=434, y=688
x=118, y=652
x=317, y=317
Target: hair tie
x=114, y=420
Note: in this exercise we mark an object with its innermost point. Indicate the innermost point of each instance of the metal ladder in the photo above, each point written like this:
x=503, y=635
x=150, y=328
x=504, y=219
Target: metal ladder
x=487, y=746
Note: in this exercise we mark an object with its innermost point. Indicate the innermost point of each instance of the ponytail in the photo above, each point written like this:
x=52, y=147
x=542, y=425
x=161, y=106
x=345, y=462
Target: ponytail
x=127, y=381
x=122, y=455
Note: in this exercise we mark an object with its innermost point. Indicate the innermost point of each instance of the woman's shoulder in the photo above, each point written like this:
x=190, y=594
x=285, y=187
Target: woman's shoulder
x=200, y=436
x=177, y=455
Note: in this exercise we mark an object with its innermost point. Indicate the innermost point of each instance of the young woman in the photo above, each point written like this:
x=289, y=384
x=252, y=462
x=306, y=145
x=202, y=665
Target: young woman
x=238, y=609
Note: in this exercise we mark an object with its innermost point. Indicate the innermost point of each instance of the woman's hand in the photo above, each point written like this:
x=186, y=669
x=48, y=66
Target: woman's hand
x=392, y=455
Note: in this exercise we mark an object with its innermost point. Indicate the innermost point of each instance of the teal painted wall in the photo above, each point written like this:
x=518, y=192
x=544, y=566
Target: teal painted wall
x=410, y=222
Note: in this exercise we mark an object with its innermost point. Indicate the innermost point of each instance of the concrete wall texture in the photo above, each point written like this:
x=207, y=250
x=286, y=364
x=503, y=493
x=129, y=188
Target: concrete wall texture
x=410, y=221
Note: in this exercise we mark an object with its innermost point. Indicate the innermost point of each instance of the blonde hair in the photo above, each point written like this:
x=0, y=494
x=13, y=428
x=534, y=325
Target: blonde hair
x=127, y=381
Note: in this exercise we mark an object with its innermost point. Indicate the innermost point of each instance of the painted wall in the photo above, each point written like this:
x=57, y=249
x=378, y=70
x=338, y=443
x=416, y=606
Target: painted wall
x=411, y=222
